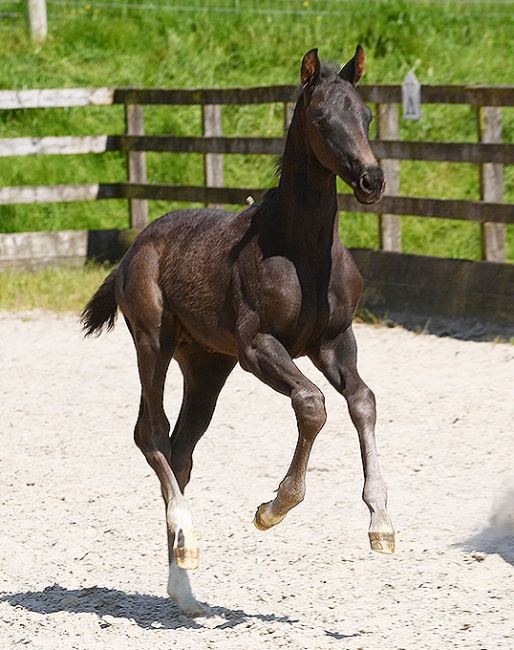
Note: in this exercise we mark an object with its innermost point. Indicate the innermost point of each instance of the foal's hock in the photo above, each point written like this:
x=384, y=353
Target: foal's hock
x=261, y=287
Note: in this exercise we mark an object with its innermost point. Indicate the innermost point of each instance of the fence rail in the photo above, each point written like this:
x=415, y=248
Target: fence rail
x=490, y=154
x=468, y=152
x=473, y=95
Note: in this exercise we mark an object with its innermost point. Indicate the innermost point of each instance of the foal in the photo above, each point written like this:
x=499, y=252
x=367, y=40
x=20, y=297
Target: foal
x=212, y=288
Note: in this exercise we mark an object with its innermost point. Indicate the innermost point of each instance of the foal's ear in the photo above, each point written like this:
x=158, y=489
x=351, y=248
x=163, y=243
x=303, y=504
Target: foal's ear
x=353, y=71
x=311, y=68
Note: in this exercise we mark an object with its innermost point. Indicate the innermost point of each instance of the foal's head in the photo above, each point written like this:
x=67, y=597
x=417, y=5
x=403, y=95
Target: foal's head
x=338, y=123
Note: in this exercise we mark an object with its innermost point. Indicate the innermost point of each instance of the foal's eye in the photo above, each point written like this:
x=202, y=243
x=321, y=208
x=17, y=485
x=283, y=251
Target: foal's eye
x=323, y=124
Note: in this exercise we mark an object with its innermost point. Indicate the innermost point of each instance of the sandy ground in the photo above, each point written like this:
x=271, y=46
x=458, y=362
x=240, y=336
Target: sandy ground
x=82, y=538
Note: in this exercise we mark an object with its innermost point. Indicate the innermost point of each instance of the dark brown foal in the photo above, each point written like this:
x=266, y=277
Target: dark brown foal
x=261, y=287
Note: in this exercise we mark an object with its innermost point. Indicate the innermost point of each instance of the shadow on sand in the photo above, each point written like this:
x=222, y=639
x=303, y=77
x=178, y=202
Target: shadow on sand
x=149, y=612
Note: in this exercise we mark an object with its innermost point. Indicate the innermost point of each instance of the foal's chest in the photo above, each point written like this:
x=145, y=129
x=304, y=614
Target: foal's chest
x=294, y=303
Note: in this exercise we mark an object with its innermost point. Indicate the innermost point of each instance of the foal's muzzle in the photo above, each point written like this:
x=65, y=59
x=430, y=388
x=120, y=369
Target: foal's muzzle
x=370, y=186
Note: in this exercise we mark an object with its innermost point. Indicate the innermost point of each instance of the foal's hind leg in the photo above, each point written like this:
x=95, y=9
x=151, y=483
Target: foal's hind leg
x=266, y=358
x=152, y=437
x=204, y=376
x=155, y=346
x=337, y=360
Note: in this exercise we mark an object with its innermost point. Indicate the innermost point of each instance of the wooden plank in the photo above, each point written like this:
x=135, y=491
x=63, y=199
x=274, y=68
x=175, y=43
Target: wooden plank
x=56, y=98
x=373, y=93
x=191, y=194
x=442, y=94
x=61, y=145
x=59, y=193
x=95, y=191
x=136, y=162
x=473, y=300
x=35, y=250
x=377, y=93
x=401, y=205
x=491, y=185
x=381, y=93
x=433, y=208
x=390, y=226
x=203, y=96
x=205, y=145
x=472, y=95
x=465, y=152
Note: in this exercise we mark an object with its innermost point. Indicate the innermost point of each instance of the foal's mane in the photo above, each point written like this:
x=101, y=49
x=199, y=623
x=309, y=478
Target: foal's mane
x=328, y=71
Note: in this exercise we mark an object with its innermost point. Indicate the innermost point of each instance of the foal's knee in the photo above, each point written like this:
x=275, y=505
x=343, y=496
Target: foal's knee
x=309, y=406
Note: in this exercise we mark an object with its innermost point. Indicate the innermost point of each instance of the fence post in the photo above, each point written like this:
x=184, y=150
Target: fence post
x=491, y=184
x=37, y=20
x=136, y=160
x=213, y=162
x=390, y=225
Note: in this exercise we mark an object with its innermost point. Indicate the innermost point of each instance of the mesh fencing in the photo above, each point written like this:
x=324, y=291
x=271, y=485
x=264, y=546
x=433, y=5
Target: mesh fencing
x=15, y=11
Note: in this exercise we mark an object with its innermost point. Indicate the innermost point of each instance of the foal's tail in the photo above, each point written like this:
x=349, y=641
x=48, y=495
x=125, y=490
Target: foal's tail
x=101, y=311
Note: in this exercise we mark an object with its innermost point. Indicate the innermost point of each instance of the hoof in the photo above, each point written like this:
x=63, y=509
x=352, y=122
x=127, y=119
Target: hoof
x=187, y=558
x=382, y=542
x=187, y=555
x=179, y=589
x=191, y=607
x=263, y=519
x=195, y=609
x=258, y=521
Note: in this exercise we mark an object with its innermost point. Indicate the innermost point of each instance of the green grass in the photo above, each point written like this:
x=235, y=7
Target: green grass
x=102, y=48
x=55, y=289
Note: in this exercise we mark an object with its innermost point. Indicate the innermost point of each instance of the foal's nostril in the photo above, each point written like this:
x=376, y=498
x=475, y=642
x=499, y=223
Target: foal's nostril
x=371, y=185
x=372, y=181
x=366, y=182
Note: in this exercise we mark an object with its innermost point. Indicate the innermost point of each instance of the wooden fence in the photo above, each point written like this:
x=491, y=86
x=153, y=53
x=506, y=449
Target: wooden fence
x=489, y=153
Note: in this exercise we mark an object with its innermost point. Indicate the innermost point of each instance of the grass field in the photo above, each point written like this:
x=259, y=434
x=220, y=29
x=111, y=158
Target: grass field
x=99, y=47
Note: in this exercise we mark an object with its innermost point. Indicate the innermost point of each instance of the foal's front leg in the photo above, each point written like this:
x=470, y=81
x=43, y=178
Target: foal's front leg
x=337, y=360
x=266, y=358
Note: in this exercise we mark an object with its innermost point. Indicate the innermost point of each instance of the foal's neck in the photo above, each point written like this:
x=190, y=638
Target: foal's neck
x=306, y=198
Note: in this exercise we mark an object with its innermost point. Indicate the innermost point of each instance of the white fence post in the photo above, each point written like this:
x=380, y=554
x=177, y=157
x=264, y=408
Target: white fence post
x=38, y=20
x=390, y=225
x=213, y=162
